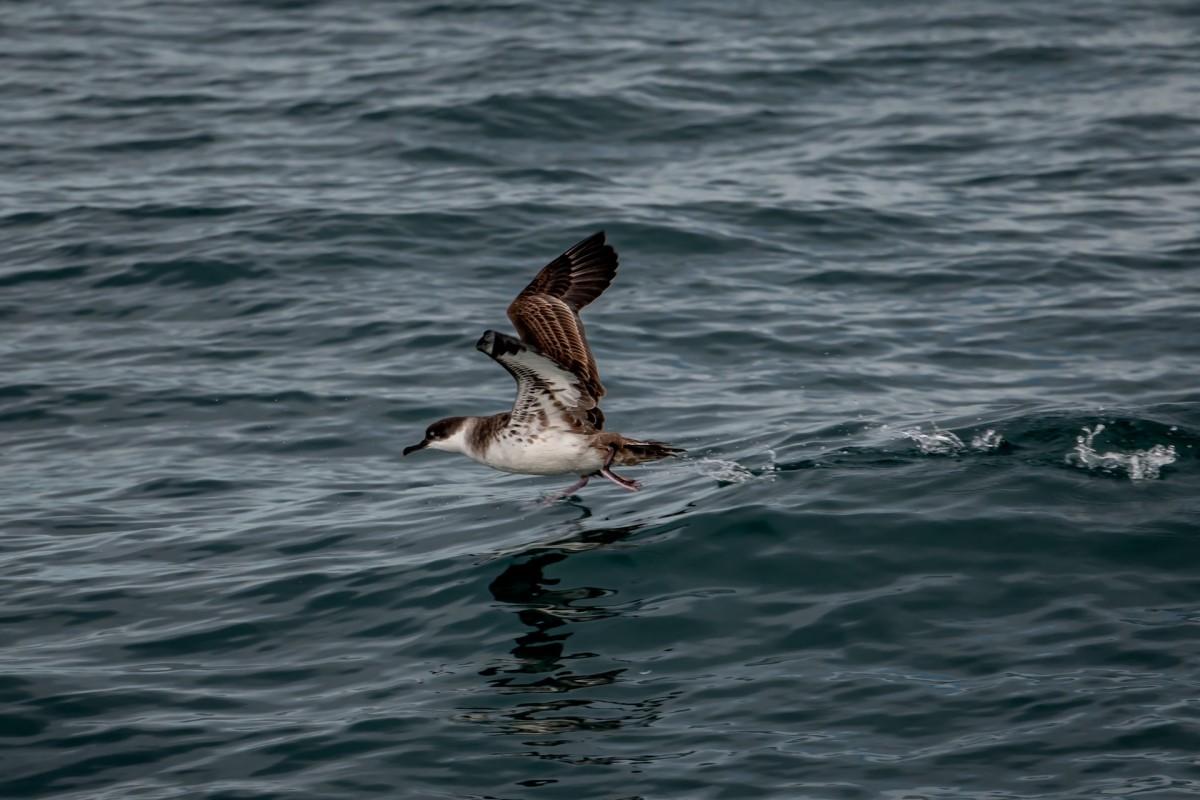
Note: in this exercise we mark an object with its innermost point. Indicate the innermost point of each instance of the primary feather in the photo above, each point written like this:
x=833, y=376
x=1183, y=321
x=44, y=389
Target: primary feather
x=546, y=313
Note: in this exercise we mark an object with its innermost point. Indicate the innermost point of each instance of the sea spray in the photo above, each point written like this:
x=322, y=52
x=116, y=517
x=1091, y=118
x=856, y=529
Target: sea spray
x=1139, y=465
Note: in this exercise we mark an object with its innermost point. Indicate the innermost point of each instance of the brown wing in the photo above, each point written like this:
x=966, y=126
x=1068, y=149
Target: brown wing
x=547, y=394
x=546, y=314
x=579, y=275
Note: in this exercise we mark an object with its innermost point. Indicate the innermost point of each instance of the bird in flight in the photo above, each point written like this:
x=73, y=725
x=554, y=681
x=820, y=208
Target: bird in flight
x=555, y=426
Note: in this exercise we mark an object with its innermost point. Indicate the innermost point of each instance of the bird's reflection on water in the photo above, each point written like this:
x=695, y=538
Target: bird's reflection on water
x=540, y=663
x=548, y=612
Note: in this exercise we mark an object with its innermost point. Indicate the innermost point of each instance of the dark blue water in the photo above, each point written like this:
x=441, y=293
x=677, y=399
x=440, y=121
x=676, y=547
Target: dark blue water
x=916, y=285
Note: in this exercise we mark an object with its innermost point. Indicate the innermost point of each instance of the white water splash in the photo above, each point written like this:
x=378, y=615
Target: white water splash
x=988, y=441
x=724, y=471
x=1140, y=464
x=937, y=442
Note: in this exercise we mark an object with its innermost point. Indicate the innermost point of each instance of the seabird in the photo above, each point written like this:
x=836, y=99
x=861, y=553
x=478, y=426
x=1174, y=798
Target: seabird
x=555, y=426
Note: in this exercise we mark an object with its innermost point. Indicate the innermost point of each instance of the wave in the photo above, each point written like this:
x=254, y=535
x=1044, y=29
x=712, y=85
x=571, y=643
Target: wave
x=1138, y=447
x=1138, y=465
x=190, y=272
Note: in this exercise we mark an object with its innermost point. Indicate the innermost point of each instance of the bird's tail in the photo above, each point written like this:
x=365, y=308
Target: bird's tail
x=635, y=451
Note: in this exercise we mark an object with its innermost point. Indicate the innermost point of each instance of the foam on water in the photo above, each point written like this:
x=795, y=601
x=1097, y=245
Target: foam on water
x=936, y=442
x=723, y=470
x=988, y=441
x=939, y=442
x=1139, y=465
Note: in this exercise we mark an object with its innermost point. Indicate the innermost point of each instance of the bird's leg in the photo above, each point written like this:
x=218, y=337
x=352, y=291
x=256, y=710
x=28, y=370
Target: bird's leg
x=625, y=483
x=577, y=485
x=572, y=489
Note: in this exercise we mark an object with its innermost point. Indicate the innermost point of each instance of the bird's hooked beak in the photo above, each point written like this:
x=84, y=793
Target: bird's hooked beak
x=419, y=446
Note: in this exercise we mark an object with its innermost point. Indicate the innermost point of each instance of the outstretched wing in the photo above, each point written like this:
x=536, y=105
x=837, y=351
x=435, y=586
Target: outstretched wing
x=579, y=275
x=546, y=313
x=546, y=392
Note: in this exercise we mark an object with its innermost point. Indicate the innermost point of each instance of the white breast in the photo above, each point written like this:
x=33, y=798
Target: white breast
x=549, y=452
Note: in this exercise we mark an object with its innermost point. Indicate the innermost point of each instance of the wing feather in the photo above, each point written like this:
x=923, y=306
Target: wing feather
x=579, y=275
x=546, y=313
x=551, y=327
x=546, y=392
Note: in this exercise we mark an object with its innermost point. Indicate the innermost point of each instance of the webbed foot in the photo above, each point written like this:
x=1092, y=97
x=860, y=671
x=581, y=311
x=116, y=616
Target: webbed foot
x=625, y=483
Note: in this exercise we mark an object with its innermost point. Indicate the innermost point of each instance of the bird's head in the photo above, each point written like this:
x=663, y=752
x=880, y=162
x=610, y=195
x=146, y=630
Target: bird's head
x=445, y=434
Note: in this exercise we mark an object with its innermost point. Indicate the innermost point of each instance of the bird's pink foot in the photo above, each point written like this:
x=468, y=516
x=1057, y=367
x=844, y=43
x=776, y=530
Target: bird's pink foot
x=625, y=483
x=570, y=490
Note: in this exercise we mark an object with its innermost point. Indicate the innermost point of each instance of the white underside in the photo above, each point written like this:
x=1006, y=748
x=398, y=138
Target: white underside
x=549, y=453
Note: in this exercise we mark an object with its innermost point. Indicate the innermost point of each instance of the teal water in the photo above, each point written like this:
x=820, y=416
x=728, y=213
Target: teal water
x=916, y=286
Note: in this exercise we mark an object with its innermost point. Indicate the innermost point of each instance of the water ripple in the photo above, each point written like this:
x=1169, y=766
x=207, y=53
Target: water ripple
x=912, y=286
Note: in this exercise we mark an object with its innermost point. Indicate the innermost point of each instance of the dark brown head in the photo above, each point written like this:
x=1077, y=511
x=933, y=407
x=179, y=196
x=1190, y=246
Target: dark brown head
x=445, y=434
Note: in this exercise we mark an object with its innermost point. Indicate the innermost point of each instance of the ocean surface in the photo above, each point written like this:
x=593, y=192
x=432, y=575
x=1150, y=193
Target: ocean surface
x=916, y=285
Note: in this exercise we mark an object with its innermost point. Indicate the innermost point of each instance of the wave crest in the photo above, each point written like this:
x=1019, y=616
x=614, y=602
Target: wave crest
x=1139, y=465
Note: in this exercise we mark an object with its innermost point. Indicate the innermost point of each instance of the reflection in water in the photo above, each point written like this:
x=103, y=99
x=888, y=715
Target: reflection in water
x=539, y=651
x=539, y=662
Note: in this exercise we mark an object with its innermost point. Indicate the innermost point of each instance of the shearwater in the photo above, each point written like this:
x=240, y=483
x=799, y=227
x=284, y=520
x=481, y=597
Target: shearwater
x=555, y=426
